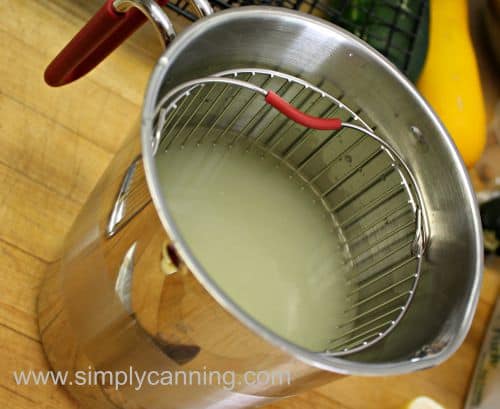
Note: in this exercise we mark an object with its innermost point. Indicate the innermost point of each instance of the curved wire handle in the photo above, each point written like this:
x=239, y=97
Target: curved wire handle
x=272, y=99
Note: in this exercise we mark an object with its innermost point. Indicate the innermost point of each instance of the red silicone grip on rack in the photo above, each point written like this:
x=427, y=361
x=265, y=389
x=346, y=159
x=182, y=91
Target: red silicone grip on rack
x=102, y=34
x=328, y=124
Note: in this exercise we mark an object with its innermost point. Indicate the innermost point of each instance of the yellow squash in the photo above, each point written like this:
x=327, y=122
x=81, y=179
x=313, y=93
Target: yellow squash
x=450, y=79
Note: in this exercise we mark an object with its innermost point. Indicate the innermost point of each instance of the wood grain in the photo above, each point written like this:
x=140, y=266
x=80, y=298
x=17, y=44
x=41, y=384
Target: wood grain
x=54, y=145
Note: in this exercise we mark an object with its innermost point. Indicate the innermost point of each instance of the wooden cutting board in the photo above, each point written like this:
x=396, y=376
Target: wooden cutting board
x=54, y=145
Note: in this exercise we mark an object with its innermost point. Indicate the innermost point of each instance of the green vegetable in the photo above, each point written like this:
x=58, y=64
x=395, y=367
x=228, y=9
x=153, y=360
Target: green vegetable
x=396, y=28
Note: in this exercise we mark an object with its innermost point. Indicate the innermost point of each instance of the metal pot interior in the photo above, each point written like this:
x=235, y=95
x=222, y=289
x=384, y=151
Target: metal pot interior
x=440, y=312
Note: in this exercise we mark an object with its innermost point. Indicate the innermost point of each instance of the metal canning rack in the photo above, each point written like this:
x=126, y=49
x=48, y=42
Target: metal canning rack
x=362, y=182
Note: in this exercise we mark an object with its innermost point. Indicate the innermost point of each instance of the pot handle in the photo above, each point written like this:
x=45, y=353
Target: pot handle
x=105, y=31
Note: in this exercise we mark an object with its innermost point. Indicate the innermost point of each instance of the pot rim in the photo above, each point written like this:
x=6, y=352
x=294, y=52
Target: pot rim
x=316, y=359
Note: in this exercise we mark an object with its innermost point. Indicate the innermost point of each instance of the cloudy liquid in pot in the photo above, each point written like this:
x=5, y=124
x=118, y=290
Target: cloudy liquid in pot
x=262, y=235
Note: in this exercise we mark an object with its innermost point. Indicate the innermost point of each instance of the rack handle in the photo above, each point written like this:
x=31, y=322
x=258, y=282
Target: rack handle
x=115, y=21
x=309, y=121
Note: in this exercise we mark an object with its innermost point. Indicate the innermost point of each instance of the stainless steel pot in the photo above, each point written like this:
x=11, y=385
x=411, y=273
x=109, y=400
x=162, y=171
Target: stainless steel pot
x=129, y=292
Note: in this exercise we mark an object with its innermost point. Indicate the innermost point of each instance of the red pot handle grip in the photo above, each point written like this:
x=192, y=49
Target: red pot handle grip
x=104, y=32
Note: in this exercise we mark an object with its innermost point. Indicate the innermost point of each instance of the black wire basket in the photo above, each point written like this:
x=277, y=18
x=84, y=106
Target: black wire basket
x=396, y=28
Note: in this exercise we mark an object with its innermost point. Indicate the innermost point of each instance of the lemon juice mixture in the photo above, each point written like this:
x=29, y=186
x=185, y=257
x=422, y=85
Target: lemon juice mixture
x=263, y=236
